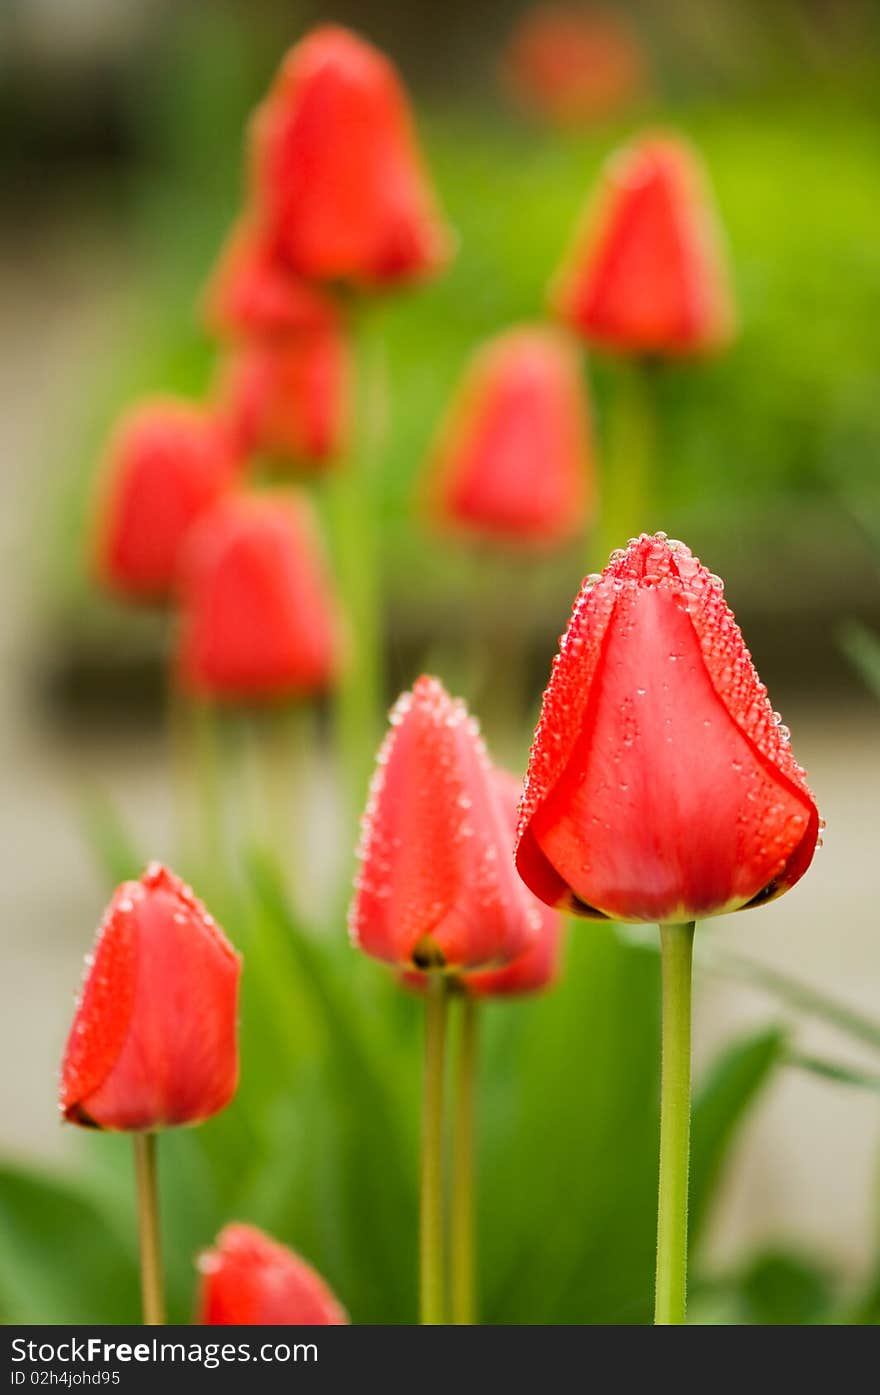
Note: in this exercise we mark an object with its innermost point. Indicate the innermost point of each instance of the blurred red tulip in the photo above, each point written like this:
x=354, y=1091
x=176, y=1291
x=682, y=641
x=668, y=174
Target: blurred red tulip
x=647, y=275
x=437, y=885
x=289, y=398
x=336, y=172
x=514, y=461
x=250, y=1280
x=168, y=461
x=253, y=293
x=154, y=1038
x=258, y=620
x=661, y=786
x=574, y=64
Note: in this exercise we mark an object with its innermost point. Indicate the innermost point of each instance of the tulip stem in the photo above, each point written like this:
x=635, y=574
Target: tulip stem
x=432, y=1274
x=676, y=951
x=463, y=1250
x=627, y=484
x=353, y=498
x=147, y=1185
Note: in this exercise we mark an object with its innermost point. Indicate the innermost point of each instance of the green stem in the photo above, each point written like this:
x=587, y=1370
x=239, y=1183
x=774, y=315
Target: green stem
x=463, y=1252
x=676, y=948
x=353, y=500
x=626, y=506
x=146, y=1183
x=432, y=1274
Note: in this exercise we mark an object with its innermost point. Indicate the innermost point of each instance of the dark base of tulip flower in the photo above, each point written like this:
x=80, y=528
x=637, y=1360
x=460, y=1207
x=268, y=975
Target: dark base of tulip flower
x=676, y=946
x=146, y=1182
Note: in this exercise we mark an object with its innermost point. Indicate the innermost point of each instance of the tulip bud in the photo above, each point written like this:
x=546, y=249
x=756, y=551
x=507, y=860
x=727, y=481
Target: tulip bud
x=258, y=620
x=646, y=275
x=154, y=1037
x=436, y=885
x=337, y=178
x=538, y=965
x=253, y=293
x=249, y=1280
x=661, y=786
x=514, y=462
x=289, y=398
x=574, y=65
x=167, y=463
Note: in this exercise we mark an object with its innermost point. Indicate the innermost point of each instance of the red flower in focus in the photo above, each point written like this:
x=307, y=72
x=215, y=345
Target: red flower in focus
x=336, y=174
x=574, y=64
x=167, y=463
x=647, y=274
x=249, y=1280
x=154, y=1038
x=253, y=293
x=289, y=398
x=514, y=460
x=661, y=786
x=538, y=966
x=258, y=620
x=437, y=885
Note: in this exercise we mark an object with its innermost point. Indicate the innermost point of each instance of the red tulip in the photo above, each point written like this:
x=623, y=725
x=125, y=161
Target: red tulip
x=258, y=620
x=661, y=786
x=168, y=462
x=647, y=275
x=574, y=65
x=253, y=293
x=153, y=1041
x=514, y=460
x=337, y=176
x=538, y=966
x=250, y=1280
x=289, y=398
x=437, y=885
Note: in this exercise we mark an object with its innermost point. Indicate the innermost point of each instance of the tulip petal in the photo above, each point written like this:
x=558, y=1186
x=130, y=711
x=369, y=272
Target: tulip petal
x=336, y=173
x=250, y=1280
x=660, y=785
x=153, y=1042
x=436, y=880
x=513, y=462
x=258, y=619
x=646, y=275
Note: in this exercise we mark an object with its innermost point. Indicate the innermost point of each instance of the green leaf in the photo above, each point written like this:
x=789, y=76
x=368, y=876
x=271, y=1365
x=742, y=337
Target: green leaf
x=801, y=997
x=722, y=1100
x=61, y=1258
x=834, y=1070
x=781, y=1287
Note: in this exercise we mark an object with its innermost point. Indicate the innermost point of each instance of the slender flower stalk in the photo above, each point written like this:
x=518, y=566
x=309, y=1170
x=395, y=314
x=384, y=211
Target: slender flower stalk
x=463, y=1254
x=149, y=1238
x=432, y=1280
x=628, y=478
x=670, y=1298
x=352, y=506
